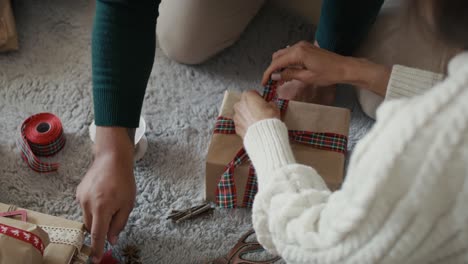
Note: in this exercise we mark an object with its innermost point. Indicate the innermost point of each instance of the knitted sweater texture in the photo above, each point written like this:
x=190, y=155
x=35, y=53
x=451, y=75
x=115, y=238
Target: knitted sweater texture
x=405, y=197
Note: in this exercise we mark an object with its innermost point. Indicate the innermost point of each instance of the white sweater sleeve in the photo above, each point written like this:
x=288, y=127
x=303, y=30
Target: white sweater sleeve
x=396, y=203
x=286, y=189
x=280, y=182
x=407, y=82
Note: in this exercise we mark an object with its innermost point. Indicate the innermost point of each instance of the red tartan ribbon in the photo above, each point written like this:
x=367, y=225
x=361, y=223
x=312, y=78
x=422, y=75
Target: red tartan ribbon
x=22, y=235
x=226, y=194
x=326, y=141
x=41, y=135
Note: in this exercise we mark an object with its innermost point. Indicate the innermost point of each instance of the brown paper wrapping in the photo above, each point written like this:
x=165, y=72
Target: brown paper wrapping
x=8, y=35
x=55, y=253
x=13, y=250
x=299, y=116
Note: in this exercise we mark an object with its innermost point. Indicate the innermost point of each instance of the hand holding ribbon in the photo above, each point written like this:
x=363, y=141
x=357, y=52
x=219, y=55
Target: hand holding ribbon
x=252, y=108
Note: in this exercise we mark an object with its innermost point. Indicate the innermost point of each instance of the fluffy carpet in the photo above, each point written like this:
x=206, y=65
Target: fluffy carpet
x=52, y=72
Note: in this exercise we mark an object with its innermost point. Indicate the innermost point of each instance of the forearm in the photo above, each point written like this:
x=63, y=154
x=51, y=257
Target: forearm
x=281, y=181
x=114, y=143
x=123, y=49
x=389, y=82
x=365, y=74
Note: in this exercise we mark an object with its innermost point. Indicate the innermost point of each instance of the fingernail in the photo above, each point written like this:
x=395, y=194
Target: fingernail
x=276, y=76
x=96, y=260
x=113, y=240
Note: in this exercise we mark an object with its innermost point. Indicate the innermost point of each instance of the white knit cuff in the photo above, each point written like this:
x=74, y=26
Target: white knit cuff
x=407, y=82
x=267, y=144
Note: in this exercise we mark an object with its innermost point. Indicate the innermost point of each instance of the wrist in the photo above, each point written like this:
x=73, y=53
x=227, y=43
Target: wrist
x=267, y=144
x=114, y=142
x=365, y=74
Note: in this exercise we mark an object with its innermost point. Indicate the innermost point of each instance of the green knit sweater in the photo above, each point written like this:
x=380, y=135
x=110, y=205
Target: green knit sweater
x=123, y=49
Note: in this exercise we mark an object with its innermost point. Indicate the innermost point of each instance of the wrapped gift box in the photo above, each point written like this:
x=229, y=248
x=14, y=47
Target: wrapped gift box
x=8, y=35
x=66, y=237
x=21, y=242
x=298, y=116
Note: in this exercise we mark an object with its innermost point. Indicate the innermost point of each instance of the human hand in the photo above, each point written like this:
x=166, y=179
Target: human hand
x=107, y=192
x=307, y=63
x=299, y=91
x=251, y=109
x=314, y=66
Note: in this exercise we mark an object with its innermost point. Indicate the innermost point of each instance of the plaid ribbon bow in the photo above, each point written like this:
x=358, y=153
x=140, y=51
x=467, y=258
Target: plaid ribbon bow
x=226, y=194
x=41, y=135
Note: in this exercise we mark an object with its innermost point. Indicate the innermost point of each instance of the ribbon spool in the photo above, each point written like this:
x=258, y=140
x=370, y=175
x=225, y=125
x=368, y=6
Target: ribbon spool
x=141, y=143
x=41, y=135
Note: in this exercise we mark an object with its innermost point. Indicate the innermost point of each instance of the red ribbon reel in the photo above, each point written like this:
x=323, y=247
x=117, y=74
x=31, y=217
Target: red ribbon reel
x=41, y=135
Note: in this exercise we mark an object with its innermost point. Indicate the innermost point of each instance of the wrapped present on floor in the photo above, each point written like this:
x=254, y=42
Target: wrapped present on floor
x=318, y=136
x=8, y=35
x=65, y=237
x=21, y=242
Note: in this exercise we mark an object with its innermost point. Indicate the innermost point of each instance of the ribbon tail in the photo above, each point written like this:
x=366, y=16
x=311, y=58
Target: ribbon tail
x=33, y=162
x=226, y=194
x=251, y=188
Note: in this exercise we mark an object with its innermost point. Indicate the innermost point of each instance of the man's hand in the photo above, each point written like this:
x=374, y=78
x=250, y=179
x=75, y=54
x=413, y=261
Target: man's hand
x=107, y=192
x=251, y=109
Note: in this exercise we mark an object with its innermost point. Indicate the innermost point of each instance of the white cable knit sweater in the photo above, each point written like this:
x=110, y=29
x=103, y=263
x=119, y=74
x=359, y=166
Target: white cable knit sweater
x=405, y=197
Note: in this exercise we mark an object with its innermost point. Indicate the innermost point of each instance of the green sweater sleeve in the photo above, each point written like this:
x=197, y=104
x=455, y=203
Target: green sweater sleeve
x=344, y=23
x=123, y=48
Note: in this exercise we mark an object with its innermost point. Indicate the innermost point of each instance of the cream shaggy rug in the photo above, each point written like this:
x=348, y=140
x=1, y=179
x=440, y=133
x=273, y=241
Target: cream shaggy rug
x=52, y=72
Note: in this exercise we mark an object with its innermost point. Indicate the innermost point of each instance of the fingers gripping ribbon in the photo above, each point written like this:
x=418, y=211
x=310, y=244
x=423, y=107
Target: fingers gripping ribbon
x=226, y=194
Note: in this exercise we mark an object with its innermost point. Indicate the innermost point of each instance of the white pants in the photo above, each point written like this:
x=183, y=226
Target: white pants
x=192, y=31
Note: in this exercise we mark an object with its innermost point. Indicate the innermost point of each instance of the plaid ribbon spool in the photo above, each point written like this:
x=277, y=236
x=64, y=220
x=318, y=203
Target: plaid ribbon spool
x=226, y=193
x=41, y=135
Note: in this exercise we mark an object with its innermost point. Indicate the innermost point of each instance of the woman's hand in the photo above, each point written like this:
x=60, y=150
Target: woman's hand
x=315, y=66
x=307, y=63
x=251, y=109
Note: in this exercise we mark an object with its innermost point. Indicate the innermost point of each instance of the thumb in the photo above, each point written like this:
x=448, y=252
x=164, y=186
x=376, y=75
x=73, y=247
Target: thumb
x=118, y=222
x=302, y=75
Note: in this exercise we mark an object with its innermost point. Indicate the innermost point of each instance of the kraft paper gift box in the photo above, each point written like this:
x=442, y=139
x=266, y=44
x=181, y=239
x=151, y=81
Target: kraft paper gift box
x=66, y=237
x=21, y=242
x=8, y=34
x=298, y=116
